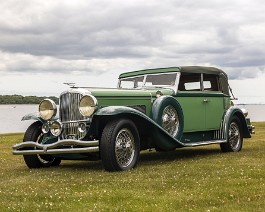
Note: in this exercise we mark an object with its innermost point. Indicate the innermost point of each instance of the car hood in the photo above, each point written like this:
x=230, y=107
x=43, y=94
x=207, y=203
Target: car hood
x=115, y=92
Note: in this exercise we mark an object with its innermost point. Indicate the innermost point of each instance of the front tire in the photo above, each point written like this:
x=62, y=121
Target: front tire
x=235, y=136
x=35, y=134
x=120, y=145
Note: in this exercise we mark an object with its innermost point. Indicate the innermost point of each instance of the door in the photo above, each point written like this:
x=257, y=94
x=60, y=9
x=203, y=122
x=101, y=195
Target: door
x=190, y=97
x=214, y=101
x=193, y=109
x=201, y=100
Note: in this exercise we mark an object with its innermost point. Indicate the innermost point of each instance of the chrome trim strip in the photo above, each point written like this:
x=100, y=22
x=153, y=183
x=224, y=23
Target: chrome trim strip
x=89, y=120
x=220, y=134
x=204, y=143
x=88, y=146
x=56, y=151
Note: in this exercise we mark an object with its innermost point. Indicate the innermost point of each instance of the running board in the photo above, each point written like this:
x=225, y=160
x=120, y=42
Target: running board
x=202, y=143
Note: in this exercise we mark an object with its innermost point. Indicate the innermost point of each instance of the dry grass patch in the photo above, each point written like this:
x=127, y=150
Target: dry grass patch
x=196, y=179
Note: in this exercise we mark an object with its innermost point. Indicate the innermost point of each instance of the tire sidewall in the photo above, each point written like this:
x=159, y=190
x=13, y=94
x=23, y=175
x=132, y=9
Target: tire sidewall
x=118, y=125
x=33, y=133
x=235, y=120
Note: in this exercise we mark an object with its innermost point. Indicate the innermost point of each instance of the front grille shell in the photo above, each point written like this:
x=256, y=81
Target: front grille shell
x=70, y=115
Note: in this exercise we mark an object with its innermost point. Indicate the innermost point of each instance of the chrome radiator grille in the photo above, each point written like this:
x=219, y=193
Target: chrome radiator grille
x=69, y=114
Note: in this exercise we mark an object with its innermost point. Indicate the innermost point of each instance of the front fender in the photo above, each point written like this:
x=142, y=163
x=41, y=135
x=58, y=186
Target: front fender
x=36, y=116
x=161, y=137
x=32, y=116
x=236, y=111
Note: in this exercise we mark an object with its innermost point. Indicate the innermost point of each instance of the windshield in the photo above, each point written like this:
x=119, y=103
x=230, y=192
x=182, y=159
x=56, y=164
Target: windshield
x=149, y=80
x=132, y=82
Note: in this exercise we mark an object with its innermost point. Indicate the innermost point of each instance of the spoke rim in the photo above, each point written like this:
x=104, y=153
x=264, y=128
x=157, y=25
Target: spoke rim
x=43, y=158
x=124, y=147
x=170, y=120
x=234, y=135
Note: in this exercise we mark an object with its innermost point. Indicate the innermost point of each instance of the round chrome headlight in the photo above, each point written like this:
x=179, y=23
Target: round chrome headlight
x=82, y=127
x=87, y=105
x=56, y=128
x=47, y=109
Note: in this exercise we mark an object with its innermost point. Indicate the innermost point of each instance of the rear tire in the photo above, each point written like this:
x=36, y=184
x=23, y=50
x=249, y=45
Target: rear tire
x=120, y=145
x=235, y=136
x=35, y=134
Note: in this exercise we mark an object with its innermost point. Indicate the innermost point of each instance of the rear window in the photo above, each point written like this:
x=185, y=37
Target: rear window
x=194, y=82
x=211, y=82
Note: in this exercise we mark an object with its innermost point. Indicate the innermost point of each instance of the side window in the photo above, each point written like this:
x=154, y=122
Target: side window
x=190, y=82
x=211, y=82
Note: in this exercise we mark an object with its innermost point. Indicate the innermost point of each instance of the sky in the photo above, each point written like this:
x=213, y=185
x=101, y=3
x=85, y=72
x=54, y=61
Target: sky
x=44, y=44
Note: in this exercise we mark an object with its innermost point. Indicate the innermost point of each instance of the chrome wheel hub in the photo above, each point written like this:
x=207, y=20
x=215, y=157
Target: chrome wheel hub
x=234, y=135
x=170, y=120
x=124, y=147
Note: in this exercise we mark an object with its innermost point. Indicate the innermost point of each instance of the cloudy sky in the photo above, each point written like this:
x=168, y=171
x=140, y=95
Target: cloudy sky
x=46, y=43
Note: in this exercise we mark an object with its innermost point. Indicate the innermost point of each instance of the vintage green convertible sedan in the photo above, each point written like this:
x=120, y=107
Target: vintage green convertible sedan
x=164, y=108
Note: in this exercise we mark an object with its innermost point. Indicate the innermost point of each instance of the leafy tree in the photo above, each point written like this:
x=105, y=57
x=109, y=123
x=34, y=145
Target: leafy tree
x=19, y=99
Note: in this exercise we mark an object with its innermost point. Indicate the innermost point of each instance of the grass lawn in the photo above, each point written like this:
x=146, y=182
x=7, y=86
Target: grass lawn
x=190, y=179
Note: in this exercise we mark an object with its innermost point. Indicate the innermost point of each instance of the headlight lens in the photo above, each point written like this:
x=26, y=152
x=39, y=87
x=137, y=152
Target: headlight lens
x=87, y=105
x=82, y=127
x=47, y=109
x=56, y=128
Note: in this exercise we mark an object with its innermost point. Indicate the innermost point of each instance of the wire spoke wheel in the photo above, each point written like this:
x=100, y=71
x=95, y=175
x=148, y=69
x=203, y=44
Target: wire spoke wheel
x=124, y=147
x=170, y=120
x=234, y=135
x=44, y=159
x=120, y=145
x=34, y=133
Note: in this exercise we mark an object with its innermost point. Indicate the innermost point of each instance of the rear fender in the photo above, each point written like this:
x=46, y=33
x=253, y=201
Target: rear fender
x=157, y=111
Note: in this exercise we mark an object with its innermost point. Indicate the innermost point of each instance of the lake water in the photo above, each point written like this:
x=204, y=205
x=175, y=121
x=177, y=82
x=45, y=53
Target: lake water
x=10, y=116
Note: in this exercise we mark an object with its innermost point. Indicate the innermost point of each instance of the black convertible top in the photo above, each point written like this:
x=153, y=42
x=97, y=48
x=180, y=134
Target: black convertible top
x=193, y=69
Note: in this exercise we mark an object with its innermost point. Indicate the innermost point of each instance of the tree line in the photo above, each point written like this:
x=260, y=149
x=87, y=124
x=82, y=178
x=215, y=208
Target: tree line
x=19, y=99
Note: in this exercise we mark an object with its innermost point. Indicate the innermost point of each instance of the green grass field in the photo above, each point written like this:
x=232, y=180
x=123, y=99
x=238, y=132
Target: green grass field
x=191, y=179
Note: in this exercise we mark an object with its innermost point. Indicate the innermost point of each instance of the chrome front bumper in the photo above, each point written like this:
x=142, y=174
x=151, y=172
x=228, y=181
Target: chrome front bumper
x=251, y=128
x=59, y=147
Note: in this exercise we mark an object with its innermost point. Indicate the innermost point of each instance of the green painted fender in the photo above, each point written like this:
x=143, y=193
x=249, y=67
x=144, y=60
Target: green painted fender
x=35, y=116
x=32, y=116
x=235, y=111
x=157, y=110
x=161, y=137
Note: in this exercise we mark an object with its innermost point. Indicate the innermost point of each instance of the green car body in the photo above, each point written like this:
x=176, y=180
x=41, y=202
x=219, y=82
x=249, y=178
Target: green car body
x=164, y=108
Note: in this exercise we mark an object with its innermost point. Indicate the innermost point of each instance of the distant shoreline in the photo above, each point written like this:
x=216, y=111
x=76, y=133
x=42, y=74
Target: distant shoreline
x=251, y=104
x=19, y=99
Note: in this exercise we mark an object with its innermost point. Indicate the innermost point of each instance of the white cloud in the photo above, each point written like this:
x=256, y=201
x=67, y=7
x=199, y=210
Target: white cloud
x=94, y=38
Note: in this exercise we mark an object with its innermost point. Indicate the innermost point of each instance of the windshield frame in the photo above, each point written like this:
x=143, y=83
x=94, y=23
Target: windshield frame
x=173, y=87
